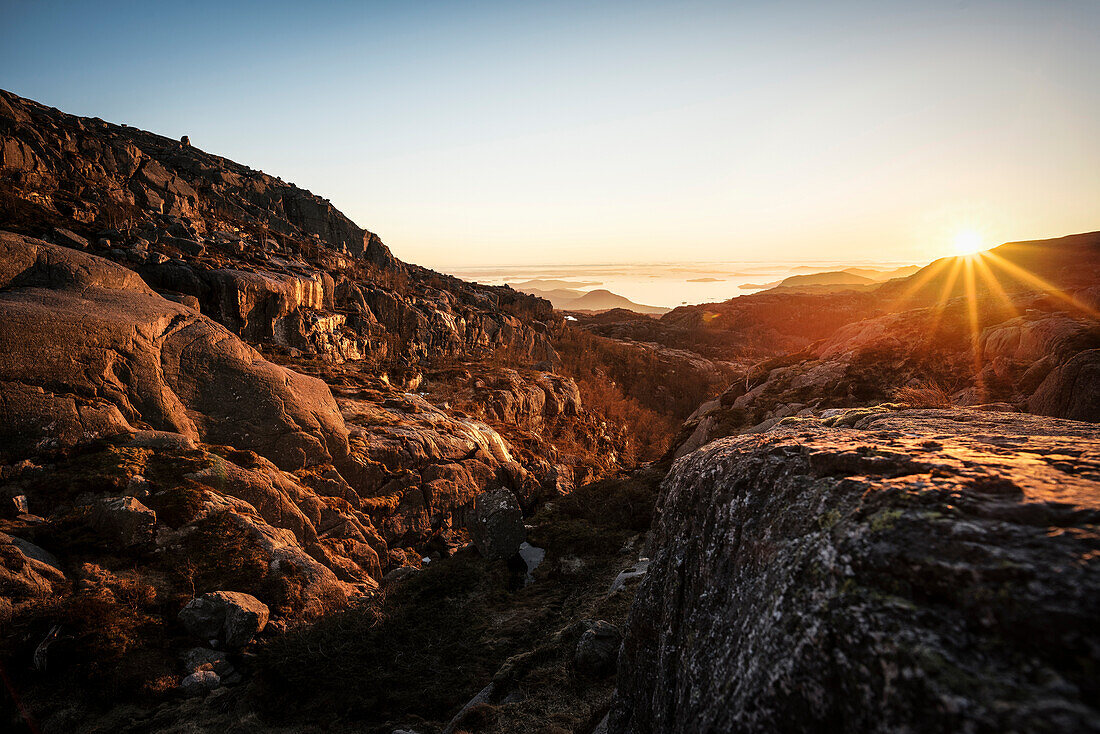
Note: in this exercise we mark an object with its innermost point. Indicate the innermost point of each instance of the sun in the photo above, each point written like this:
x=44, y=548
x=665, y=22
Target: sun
x=968, y=242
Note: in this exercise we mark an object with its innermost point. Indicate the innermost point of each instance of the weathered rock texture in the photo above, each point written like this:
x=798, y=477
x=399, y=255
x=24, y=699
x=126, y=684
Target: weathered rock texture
x=924, y=570
x=112, y=356
x=269, y=261
x=496, y=524
x=1035, y=353
x=229, y=617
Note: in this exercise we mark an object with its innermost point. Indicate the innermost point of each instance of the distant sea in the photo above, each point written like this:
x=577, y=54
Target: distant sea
x=664, y=284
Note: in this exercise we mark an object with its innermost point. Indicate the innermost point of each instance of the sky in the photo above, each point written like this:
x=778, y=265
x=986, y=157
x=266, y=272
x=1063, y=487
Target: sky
x=484, y=133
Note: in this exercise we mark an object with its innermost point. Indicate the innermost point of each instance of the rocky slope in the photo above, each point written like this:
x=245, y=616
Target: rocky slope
x=212, y=382
x=270, y=261
x=1035, y=353
x=257, y=472
x=920, y=570
x=325, y=490
x=114, y=357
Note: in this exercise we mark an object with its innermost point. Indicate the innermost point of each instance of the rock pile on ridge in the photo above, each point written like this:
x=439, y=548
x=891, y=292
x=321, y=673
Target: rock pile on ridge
x=269, y=261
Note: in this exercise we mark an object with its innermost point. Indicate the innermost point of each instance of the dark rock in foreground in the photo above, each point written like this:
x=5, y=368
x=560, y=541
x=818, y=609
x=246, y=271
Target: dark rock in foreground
x=598, y=649
x=496, y=526
x=227, y=616
x=925, y=570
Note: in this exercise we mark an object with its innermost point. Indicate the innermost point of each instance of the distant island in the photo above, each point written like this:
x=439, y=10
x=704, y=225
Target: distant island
x=571, y=299
x=858, y=277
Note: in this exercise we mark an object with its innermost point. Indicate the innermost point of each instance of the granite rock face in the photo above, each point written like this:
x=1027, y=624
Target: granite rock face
x=1072, y=389
x=119, y=356
x=922, y=570
x=269, y=261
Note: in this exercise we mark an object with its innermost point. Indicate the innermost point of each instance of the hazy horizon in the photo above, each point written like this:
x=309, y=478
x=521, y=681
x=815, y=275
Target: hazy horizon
x=667, y=284
x=614, y=132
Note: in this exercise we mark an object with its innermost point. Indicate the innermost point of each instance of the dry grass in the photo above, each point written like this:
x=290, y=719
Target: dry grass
x=928, y=394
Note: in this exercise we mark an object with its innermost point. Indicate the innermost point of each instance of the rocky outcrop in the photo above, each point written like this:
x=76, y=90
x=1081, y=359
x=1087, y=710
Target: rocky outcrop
x=496, y=524
x=126, y=173
x=925, y=570
x=269, y=261
x=526, y=400
x=1039, y=362
x=204, y=522
x=229, y=617
x=122, y=521
x=417, y=469
x=27, y=574
x=119, y=358
x=1071, y=390
x=126, y=364
x=598, y=649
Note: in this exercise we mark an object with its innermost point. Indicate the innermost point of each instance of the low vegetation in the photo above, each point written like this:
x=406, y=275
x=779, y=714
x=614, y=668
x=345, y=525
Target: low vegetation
x=631, y=388
x=429, y=643
x=923, y=395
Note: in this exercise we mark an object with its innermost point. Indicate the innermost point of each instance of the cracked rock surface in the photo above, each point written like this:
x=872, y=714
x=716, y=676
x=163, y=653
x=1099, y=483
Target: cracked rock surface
x=920, y=570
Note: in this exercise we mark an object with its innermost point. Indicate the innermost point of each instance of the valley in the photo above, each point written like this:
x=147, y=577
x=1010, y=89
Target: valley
x=258, y=473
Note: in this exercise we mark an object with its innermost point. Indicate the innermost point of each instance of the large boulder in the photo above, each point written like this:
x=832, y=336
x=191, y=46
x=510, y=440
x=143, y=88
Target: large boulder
x=124, y=520
x=496, y=525
x=120, y=357
x=1071, y=390
x=27, y=573
x=230, y=617
x=924, y=570
x=598, y=649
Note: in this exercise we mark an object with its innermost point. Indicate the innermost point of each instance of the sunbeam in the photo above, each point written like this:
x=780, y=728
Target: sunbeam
x=941, y=302
x=975, y=329
x=921, y=281
x=1021, y=274
x=989, y=279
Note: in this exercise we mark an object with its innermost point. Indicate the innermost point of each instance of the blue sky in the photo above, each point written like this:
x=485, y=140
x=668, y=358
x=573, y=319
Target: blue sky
x=470, y=133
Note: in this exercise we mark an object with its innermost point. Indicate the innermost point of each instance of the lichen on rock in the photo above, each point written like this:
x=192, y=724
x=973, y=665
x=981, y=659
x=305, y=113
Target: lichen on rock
x=924, y=570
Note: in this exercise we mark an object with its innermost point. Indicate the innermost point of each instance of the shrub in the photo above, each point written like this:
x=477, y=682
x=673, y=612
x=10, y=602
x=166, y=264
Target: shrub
x=621, y=503
x=923, y=395
x=631, y=389
x=219, y=554
x=108, y=641
x=423, y=647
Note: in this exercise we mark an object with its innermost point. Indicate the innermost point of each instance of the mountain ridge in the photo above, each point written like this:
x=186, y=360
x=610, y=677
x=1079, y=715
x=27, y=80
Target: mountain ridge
x=257, y=473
